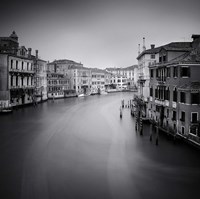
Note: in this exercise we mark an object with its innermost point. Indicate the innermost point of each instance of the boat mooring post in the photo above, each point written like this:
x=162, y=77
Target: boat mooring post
x=120, y=112
x=151, y=131
x=141, y=126
x=157, y=133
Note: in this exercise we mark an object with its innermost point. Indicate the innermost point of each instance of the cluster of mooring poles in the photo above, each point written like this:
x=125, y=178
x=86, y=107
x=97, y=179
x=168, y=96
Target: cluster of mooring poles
x=136, y=111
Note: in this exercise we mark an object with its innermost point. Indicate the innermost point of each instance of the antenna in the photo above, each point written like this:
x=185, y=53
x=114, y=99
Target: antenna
x=138, y=49
x=144, y=48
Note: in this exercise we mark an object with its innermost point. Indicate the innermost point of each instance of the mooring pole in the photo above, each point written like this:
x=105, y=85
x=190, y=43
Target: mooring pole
x=151, y=131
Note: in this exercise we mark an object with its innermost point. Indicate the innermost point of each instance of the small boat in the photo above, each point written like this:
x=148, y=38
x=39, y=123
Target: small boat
x=104, y=93
x=84, y=95
x=6, y=111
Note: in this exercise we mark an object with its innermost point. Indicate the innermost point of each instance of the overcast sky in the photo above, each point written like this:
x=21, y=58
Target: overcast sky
x=98, y=33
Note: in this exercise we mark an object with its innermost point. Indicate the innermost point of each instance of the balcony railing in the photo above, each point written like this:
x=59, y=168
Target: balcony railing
x=21, y=70
x=22, y=87
x=174, y=104
x=161, y=80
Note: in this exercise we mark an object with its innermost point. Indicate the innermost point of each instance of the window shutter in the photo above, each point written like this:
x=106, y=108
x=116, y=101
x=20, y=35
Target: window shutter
x=188, y=71
x=181, y=71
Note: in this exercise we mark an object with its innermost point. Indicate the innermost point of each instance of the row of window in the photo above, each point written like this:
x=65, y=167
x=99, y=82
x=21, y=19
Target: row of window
x=170, y=72
x=14, y=64
x=194, y=116
x=164, y=94
x=15, y=81
x=97, y=76
x=55, y=89
x=50, y=82
x=94, y=83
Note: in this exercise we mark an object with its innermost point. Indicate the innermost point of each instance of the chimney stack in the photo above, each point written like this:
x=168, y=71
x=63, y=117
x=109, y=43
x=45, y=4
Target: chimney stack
x=196, y=41
x=29, y=52
x=138, y=49
x=152, y=46
x=144, y=48
x=36, y=54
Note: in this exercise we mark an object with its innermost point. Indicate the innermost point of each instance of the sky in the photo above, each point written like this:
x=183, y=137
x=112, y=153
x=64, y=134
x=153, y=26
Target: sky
x=98, y=33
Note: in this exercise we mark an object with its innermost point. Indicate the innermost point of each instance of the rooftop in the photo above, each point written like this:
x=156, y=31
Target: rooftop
x=64, y=61
x=173, y=46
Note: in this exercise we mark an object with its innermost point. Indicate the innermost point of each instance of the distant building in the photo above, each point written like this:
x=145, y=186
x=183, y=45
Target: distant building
x=80, y=79
x=118, y=82
x=174, y=100
x=98, y=80
x=127, y=72
x=40, y=68
x=58, y=85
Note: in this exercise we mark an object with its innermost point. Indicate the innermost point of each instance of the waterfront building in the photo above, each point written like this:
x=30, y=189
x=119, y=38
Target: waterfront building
x=23, y=76
x=62, y=65
x=80, y=79
x=128, y=72
x=118, y=82
x=40, y=68
x=98, y=81
x=58, y=85
x=107, y=80
x=152, y=56
x=16, y=73
x=175, y=90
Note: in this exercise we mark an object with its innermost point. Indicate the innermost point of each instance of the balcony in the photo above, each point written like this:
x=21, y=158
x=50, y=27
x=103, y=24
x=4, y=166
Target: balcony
x=174, y=104
x=166, y=103
x=21, y=87
x=141, y=75
x=161, y=80
x=14, y=70
x=160, y=102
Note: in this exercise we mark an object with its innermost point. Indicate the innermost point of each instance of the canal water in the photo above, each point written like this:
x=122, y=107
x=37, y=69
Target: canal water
x=80, y=148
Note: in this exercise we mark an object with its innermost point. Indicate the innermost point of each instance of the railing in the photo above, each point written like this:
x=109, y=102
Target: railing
x=161, y=80
x=174, y=104
x=22, y=87
x=21, y=70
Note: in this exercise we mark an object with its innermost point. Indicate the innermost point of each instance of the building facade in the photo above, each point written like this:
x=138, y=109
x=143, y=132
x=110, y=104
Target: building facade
x=175, y=93
x=80, y=79
x=40, y=68
x=151, y=57
x=23, y=76
x=98, y=81
x=58, y=85
x=16, y=80
x=127, y=72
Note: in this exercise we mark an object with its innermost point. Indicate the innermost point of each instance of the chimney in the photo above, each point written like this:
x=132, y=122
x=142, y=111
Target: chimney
x=152, y=46
x=196, y=41
x=144, y=48
x=36, y=54
x=138, y=49
x=29, y=52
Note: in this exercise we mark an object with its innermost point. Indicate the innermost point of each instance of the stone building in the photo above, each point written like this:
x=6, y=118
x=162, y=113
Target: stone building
x=175, y=91
x=58, y=85
x=21, y=81
x=98, y=81
x=40, y=68
x=16, y=78
x=153, y=56
x=80, y=79
x=127, y=72
x=58, y=82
